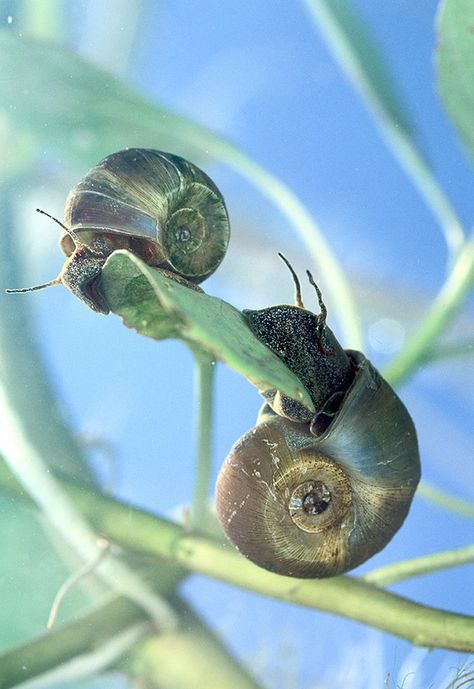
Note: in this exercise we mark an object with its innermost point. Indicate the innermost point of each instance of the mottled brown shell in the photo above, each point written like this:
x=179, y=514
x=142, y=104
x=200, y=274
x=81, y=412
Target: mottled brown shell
x=309, y=506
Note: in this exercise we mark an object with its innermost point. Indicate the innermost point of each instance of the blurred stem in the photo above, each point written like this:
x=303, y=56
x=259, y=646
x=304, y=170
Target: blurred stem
x=330, y=272
x=35, y=477
x=23, y=374
x=418, y=566
x=111, y=635
x=205, y=367
x=443, y=309
x=448, y=502
x=397, y=139
x=43, y=20
x=345, y=596
x=452, y=350
x=208, y=664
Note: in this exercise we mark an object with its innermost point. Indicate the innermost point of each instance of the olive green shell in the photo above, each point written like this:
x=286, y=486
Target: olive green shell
x=360, y=476
x=156, y=197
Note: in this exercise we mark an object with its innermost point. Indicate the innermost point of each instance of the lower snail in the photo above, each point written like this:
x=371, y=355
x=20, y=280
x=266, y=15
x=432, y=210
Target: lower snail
x=157, y=205
x=315, y=494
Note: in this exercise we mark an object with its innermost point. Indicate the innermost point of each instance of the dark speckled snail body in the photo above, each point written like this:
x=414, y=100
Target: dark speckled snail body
x=157, y=205
x=316, y=494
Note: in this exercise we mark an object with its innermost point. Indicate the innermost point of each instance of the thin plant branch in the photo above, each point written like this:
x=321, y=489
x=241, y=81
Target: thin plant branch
x=447, y=501
x=109, y=636
x=344, y=595
x=33, y=474
x=74, y=579
x=399, y=142
x=418, y=566
x=205, y=367
x=445, y=306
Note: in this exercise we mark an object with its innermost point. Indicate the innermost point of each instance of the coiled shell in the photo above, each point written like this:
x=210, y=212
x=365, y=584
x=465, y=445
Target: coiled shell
x=308, y=506
x=170, y=209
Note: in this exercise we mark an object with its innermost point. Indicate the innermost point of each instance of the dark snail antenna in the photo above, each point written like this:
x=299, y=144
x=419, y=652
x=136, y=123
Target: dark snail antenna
x=324, y=312
x=298, y=299
x=71, y=233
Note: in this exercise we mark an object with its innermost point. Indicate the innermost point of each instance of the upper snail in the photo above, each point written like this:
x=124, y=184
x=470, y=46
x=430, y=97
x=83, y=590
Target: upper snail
x=157, y=205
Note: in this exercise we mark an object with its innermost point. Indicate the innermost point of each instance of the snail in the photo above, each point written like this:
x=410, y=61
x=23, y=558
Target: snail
x=315, y=494
x=157, y=205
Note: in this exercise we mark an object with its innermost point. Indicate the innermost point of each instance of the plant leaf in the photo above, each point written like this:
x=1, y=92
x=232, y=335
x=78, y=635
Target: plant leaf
x=455, y=65
x=85, y=113
x=157, y=306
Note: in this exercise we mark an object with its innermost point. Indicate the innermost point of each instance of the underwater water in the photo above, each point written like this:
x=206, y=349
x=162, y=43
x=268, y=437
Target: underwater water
x=261, y=76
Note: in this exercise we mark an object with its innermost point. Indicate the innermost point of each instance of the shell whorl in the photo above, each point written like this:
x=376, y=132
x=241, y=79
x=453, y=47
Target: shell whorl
x=309, y=506
x=157, y=197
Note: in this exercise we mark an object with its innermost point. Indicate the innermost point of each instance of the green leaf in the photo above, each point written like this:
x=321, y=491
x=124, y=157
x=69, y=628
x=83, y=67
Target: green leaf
x=157, y=306
x=455, y=65
x=86, y=112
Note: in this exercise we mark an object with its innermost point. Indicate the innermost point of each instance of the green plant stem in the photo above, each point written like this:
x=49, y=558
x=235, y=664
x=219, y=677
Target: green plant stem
x=205, y=367
x=36, y=479
x=208, y=663
x=391, y=574
x=330, y=272
x=347, y=596
x=449, y=351
x=23, y=374
x=42, y=19
x=397, y=139
x=75, y=641
x=443, y=309
x=112, y=634
x=445, y=500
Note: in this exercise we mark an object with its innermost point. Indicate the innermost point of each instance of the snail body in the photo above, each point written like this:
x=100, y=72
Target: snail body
x=315, y=494
x=156, y=205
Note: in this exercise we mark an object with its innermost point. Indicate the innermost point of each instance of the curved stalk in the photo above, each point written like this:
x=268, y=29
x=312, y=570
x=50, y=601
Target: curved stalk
x=205, y=366
x=443, y=309
x=345, y=595
x=31, y=472
x=395, y=135
x=417, y=566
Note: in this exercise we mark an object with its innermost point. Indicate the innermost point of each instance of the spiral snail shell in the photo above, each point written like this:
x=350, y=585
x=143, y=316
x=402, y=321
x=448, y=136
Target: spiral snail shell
x=315, y=497
x=155, y=204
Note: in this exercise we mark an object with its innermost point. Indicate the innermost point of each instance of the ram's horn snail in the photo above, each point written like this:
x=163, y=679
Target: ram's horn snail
x=157, y=205
x=316, y=496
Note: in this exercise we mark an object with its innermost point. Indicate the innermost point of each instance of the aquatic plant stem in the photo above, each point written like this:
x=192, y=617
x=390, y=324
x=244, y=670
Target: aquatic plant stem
x=113, y=635
x=346, y=596
x=415, y=567
x=444, y=307
x=447, y=501
x=37, y=480
x=204, y=378
x=397, y=138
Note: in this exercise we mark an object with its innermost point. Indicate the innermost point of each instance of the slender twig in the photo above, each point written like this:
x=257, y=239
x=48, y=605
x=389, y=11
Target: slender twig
x=345, y=595
x=75, y=579
x=450, y=351
x=390, y=574
x=205, y=366
x=400, y=143
x=110, y=636
x=447, y=501
x=444, y=307
x=33, y=474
